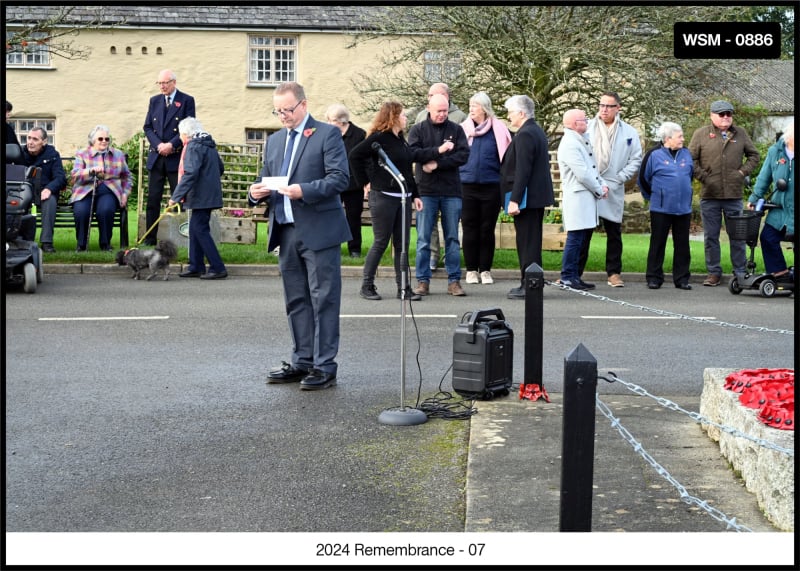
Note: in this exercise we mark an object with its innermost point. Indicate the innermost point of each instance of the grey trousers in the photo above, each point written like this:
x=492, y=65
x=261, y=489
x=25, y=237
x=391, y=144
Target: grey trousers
x=48, y=209
x=712, y=211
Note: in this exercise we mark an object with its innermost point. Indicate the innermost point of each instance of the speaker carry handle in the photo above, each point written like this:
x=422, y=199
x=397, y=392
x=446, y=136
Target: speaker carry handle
x=480, y=314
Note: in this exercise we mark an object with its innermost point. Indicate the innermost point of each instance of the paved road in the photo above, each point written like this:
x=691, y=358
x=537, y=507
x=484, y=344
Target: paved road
x=161, y=421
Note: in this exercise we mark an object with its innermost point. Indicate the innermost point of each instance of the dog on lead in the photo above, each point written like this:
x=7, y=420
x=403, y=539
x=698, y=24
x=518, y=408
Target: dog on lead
x=158, y=258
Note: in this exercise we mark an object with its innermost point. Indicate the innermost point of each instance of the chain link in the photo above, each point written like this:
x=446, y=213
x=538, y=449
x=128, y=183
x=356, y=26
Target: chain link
x=685, y=496
x=697, y=417
x=669, y=313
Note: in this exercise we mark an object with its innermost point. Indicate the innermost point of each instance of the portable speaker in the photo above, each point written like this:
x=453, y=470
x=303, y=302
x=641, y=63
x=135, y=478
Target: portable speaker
x=483, y=355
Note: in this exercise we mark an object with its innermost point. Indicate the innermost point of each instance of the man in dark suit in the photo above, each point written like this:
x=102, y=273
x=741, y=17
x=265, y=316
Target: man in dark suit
x=165, y=111
x=525, y=174
x=308, y=223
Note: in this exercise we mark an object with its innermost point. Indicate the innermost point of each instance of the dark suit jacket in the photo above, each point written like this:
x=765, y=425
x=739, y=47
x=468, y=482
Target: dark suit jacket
x=526, y=165
x=320, y=168
x=159, y=130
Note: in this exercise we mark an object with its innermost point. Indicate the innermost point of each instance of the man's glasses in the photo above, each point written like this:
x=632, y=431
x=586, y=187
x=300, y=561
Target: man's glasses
x=289, y=111
x=103, y=138
x=725, y=114
x=604, y=106
x=164, y=82
x=584, y=120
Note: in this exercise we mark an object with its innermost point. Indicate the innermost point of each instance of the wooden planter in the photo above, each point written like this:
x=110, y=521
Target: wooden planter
x=505, y=236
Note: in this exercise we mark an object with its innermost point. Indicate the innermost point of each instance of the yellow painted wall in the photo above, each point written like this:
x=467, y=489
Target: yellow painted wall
x=210, y=65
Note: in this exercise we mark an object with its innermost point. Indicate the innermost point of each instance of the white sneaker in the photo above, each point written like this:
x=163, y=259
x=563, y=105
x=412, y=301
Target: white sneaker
x=472, y=278
x=486, y=278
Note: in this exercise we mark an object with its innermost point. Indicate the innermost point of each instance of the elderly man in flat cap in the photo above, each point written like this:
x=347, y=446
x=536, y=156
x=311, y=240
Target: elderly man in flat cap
x=724, y=156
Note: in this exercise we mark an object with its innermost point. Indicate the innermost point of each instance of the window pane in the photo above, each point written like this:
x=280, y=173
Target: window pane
x=273, y=60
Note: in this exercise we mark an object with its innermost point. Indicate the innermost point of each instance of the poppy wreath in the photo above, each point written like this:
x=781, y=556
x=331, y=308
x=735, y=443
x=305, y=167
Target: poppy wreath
x=771, y=391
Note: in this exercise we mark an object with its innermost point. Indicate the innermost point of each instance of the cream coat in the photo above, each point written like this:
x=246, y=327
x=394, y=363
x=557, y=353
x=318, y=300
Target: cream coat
x=581, y=185
x=626, y=158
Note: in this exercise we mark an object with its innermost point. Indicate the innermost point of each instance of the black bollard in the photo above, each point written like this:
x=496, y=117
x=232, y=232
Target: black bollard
x=577, y=445
x=534, y=325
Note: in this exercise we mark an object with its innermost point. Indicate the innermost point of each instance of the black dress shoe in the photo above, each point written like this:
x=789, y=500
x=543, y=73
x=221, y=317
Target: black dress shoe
x=516, y=293
x=209, y=275
x=654, y=285
x=317, y=380
x=190, y=274
x=683, y=286
x=80, y=249
x=587, y=285
x=47, y=247
x=286, y=373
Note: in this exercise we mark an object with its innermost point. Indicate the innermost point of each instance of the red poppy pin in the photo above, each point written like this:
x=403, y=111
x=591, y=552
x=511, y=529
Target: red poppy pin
x=177, y=104
x=711, y=135
x=309, y=132
x=782, y=161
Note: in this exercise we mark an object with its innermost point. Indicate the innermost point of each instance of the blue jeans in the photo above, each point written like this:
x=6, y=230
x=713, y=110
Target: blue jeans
x=570, y=261
x=450, y=208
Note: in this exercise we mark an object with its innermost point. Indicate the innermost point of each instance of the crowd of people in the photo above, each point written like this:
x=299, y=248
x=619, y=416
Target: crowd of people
x=460, y=169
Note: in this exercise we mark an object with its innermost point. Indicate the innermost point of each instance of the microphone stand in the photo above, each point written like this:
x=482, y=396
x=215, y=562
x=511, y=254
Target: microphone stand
x=402, y=415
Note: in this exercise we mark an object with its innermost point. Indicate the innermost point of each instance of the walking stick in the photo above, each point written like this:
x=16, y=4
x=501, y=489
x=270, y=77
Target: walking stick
x=91, y=209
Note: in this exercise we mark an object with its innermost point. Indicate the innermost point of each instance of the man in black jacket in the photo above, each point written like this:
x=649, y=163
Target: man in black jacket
x=53, y=180
x=439, y=147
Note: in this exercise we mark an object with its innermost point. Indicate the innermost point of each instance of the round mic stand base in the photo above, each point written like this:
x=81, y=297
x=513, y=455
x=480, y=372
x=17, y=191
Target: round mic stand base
x=402, y=416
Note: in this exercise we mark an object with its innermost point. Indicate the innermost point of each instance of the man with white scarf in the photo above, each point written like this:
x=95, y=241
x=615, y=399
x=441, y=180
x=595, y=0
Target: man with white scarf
x=618, y=152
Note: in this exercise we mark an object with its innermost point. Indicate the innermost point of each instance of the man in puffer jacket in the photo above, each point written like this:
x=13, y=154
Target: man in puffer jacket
x=723, y=157
x=779, y=225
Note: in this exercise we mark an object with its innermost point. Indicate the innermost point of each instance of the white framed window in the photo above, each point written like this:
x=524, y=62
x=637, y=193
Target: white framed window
x=33, y=54
x=24, y=124
x=272, y=59
x=441, y=67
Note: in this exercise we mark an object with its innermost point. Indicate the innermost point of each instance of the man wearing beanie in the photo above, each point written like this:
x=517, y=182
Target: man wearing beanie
x=723, y=156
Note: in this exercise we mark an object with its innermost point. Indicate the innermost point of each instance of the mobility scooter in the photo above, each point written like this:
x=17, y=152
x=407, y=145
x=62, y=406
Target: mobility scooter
x=745, y=227
x=23, y=259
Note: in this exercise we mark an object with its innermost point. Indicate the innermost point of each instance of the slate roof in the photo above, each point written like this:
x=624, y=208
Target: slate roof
x=765, y=82
x=298, y=17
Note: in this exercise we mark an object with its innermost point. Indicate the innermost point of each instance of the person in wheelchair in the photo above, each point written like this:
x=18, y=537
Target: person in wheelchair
x=777, y=174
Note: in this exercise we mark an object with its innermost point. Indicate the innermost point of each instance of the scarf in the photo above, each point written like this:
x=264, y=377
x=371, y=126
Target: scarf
x=479, y=130
x=601, y=142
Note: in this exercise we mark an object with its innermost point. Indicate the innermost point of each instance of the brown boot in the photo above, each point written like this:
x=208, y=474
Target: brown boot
x=422, y=288
x=454, y=288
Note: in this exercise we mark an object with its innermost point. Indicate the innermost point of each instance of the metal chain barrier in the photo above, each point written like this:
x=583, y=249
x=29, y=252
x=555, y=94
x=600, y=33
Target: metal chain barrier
x=697, y=417
x=668, y=313
x=685, y=496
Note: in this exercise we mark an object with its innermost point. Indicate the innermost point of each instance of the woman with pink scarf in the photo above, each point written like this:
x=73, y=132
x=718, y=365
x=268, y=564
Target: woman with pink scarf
x=488, y=139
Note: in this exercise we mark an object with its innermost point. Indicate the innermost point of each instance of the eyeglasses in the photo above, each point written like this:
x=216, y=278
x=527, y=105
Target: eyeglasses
x=279, y=112
x=164, y=82
x=725, y=114
x=604, y=106
x=103, y=138
x=584, y=120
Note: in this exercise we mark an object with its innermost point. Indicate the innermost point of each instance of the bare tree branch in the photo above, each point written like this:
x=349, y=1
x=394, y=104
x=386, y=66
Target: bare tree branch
x=54, y=34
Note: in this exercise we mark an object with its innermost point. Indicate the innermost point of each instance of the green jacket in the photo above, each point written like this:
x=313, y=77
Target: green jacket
x=777, y=166
x=719, y=164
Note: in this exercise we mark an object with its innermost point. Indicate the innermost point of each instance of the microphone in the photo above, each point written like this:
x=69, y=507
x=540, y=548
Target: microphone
x=387, y=161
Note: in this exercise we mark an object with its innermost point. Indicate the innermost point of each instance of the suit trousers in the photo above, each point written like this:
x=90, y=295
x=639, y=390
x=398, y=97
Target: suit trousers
x=353, y=201
x=528, y=227
x=155, y=191
x=312, y=290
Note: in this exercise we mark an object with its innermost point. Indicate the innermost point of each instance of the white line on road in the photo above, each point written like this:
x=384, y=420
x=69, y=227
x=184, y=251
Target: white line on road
x=638, y=317
x=416, y=315
x=120, y=318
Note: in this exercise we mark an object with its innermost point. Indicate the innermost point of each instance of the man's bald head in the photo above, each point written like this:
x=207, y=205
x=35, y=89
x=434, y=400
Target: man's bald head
x=438, y=107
